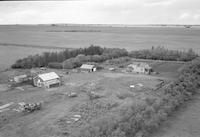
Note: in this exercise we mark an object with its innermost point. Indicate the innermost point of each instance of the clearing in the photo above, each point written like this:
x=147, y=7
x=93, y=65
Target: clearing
x=98, y=93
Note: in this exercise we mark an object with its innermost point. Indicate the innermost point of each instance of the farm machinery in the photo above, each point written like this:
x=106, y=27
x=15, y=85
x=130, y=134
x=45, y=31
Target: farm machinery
x=30, y=107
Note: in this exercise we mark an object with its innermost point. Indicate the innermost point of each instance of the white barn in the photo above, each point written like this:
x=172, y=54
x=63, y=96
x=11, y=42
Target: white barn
x=88, y=68
x=47, y=80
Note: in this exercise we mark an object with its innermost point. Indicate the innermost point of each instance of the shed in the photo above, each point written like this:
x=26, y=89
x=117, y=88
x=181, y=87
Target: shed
x=47, y=80
x=20, y=78
x=88, y=68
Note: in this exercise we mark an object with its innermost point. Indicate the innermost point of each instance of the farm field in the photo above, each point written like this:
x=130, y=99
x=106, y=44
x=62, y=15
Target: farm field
x=9, y=54
x=55, y=117
x=130, y=38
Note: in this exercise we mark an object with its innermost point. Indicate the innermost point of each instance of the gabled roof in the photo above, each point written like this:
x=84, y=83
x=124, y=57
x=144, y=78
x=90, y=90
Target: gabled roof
x=86, y=66
x=140, y=64
x=48, y=76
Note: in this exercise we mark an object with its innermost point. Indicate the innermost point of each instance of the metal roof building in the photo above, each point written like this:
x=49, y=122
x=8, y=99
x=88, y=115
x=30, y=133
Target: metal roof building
x=88, y=68
x=47, y=80
x=48, y=76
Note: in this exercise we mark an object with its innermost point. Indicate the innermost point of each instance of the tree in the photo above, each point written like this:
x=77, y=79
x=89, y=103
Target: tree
x=118, y=133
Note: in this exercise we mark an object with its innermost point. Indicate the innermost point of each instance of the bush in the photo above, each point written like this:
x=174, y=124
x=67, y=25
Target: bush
x=124, y=95
x=96, y=58
x=55, y=65
x=72, y=63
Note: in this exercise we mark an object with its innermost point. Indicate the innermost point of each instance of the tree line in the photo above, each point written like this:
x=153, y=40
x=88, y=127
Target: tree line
x=47, y=57
x=161, y=53
x=69, y=57
x=74, y=58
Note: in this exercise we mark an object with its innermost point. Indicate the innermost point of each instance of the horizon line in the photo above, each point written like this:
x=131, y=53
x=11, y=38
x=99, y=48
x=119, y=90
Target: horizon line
x=146, y=24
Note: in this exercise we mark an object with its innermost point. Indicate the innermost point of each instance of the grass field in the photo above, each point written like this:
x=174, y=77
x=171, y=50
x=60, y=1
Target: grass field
x=130, y=38
x=9, y=54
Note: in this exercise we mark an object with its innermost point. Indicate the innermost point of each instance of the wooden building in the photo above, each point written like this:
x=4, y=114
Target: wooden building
x=47, y=80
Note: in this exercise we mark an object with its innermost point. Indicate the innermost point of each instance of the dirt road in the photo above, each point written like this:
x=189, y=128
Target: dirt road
x=184, y=123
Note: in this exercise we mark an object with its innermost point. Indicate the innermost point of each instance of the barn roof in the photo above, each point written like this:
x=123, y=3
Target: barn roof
x=86, y=66
x=48, y=76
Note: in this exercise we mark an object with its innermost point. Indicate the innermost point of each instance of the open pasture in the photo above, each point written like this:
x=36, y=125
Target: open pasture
x=131, y=38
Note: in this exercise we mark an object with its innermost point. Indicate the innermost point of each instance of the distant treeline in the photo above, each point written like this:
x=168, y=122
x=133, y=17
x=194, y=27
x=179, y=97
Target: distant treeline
x=161, y=53
x=30, y=46
x=70, y=58
x=73, y=31
x=74, y=58
x=139, y=120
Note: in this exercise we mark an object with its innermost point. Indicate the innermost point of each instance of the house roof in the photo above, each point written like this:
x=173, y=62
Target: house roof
x=86, y=66
x=140, y=64
x=48, y=76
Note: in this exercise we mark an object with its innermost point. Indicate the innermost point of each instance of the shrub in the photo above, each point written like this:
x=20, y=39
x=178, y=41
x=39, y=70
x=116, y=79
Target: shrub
x=55, y=65
x=71, y=63
x=124, y=95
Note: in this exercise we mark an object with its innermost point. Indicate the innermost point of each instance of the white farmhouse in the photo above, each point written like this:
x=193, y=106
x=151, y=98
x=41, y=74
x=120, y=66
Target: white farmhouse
x=140, y=67
x=47, y=80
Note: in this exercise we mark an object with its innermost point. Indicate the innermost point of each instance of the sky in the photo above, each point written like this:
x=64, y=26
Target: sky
x=101, y=12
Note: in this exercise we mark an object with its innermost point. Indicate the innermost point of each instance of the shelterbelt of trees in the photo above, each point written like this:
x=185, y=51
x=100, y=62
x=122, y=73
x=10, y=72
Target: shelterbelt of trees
x=161, y=53
x=139, y=120
x=74, y=58
x=70, y=58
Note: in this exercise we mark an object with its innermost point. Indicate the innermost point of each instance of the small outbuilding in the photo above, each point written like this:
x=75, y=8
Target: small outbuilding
x=47, y=80
x=111, y=69
x=20, y=78
x=139, y=67
x=88, y=68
